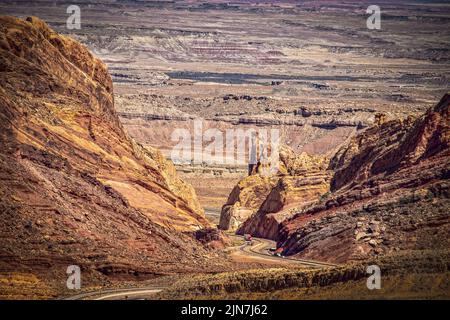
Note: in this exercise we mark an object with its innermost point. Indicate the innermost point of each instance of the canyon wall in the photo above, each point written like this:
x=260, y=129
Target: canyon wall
x=390, y=192
x=385, y=190
x=75, y=189
x=258, y=204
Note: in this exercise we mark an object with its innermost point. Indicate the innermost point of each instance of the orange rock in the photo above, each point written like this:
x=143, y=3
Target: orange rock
x=257, y=205
x=396, y=175
x=75, y=189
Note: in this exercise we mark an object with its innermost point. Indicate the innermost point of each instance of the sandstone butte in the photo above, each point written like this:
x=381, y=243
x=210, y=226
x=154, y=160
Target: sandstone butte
x=384, y=191
x=75, y=189
x=258, y=203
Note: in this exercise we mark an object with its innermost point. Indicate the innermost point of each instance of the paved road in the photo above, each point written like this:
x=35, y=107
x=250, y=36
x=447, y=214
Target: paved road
x=116, y=294
x=134, y=294
x=259, y=249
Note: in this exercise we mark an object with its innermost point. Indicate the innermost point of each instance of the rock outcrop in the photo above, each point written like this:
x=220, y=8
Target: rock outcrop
x=75, y=189
x=390, y=192
x=258, y=204
x=244, y=200
x=302, y=179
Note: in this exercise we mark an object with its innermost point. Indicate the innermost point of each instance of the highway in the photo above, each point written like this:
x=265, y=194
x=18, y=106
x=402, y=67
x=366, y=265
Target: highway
x=117, y=294
x=258, y=250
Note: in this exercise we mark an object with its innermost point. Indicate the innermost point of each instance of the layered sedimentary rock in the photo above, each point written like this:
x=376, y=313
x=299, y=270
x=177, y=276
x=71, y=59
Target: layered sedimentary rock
x=74, y=188
x=245, y=198
x=302, y=180
x=65, y=96
x=259, y=204
x=390, y=192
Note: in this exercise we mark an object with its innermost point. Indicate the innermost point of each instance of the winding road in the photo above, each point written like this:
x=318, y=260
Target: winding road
x=258, y=250
x=117, y=294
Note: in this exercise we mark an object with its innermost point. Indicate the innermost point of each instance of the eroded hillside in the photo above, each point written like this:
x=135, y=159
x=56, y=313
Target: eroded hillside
x=386, y=190
x=390, y=192
x=258, y=204
x=310, y=68
x=75, y=189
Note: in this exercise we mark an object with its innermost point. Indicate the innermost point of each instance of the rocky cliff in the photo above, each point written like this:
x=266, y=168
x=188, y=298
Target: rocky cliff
x=74, y=188
x=390, y=192
x=244, y=200
x=258, y=205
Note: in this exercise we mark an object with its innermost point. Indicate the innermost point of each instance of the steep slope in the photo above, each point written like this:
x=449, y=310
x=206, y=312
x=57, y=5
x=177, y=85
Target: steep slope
x=65, y=96
x=258, y=204
x=244, y=200
x=74, y=188
x=390, y=192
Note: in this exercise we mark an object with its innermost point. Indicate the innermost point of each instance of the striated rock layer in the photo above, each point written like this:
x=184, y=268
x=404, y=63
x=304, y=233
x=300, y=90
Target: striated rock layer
x=244, y=200
x=390, y=192
x=74, y=188
x=258, y=205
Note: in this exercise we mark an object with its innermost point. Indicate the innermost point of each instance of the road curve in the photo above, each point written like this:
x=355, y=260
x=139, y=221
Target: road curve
x=259, y=248
x=111, y=294
x=128, y=294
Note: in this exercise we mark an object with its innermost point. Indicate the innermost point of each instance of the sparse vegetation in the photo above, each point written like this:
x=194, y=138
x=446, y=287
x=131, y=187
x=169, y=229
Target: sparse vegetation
x=422, y=274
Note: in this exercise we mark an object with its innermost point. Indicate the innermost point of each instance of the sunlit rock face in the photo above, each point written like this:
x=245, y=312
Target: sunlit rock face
x=75, y=189
x=389, y=192
x=259, y=203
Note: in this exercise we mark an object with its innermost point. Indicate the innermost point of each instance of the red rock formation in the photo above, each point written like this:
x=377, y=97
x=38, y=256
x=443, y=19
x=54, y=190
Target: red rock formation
x=390, y=191
x=302, y=180
x=74, y=188
x=244, y=200
x=258, y=205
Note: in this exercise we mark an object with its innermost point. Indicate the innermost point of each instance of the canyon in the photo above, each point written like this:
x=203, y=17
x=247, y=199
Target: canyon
x=313, y=69
x=384, y=191
x=76, y=190
x=88, y=122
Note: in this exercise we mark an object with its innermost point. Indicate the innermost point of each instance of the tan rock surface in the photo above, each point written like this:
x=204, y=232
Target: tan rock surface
x=258, y=204
x=390, y=192
x=74, y=188
x=302, y=179
x=245, y=198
